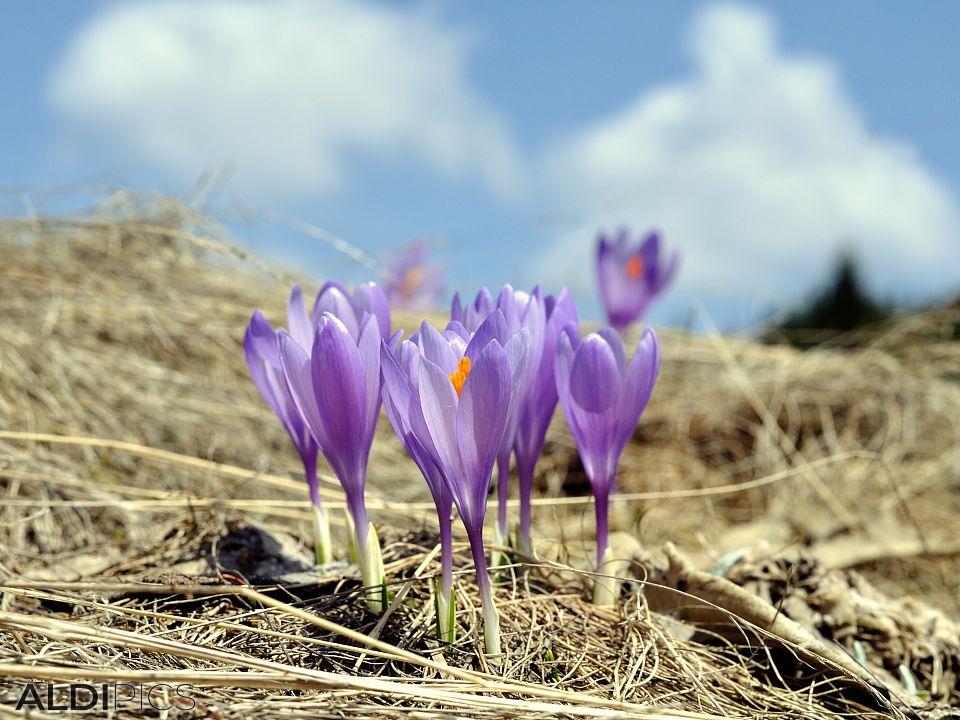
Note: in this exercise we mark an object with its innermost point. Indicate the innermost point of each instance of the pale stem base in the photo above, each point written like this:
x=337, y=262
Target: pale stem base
x=446, y=612
x=372, y=573
x=321, y=536
x=606, y=588
x=491, y=627
x=498, y=558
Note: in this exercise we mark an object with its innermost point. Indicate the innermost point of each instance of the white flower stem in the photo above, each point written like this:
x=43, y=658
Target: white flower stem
x=606, y=587
x=491, y=627
x=321, y=536
x=352, y=538
x=446, y=610
x=372, y=573
x=491, y=618
x=498, y=557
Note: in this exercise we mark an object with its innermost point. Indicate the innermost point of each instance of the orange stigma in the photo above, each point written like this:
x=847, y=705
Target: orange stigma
x=634, y=267
x=460, y=376
x=411, y=280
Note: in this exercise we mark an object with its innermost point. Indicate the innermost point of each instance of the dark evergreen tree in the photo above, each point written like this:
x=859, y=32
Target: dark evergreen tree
x=841, y=307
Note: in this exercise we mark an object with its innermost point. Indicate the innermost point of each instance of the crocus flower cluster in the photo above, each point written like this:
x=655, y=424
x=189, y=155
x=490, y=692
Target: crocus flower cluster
x=461, y=400
x=631, y=275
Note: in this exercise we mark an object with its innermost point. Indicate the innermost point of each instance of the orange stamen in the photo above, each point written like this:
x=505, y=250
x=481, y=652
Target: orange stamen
x=634, y=267
x=459, y=377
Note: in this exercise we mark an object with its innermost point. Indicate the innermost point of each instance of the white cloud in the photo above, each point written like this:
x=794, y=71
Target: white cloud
x=760, y=168
x=290, y=91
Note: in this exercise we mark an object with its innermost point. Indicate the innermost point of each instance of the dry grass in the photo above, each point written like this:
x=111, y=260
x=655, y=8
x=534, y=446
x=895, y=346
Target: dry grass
x=134, y=448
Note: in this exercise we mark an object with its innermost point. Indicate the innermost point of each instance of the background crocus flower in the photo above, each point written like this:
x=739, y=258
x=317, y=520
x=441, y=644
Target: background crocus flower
x=260, y=346
x=471, y=315
x=459, y=413
x=336, y=387
x=520, y=310
x=400, y=368
x=602, y=397
x=536, y=408
x=411, y=281
x=631, y=275
x=367, y=298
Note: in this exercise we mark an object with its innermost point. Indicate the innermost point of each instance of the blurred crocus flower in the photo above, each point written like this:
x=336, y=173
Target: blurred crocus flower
x=631, y=275
x=520, y=310
x=537, y=407
x=411, y=282
x=336, y=387
x=602, y=397
x=462, y=386
x=260, y=346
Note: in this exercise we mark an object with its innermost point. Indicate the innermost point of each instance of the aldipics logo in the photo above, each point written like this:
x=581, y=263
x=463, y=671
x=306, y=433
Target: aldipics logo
x=80, y=697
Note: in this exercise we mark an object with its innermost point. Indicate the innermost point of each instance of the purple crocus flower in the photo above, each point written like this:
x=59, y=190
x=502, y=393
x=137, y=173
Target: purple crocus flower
x=520, y=310
x=261, y=349
x=400, y=367
x=411, y=281
x=536, y=409
x=336, y=388
x=602, y=397
x=462, y=387
x=631, y=275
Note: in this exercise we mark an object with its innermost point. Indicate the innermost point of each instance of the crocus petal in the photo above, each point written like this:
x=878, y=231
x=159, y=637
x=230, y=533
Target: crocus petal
x=480, y=421
x=455, y=328
x=563, y=362
x=340, y=389
x=457, y=336
x=398, y=394
x=396, y=388
x=517, y=354
x=595, y=378
x=368, y=297
x=640, y=379
x=334, y=300
x=650, y=247
x=541, y=399
x=436, y=349
x=438, y=404
x=615, y=341
x=456, y=309
x=299, y=325
x=508, y=304
x=493, y=327
x=260, y=340
x=479, y=309
x=368, y=347
x=260, y=347
x=297, y=372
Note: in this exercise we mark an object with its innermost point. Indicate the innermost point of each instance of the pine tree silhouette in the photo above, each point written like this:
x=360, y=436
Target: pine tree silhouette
x=841, y=307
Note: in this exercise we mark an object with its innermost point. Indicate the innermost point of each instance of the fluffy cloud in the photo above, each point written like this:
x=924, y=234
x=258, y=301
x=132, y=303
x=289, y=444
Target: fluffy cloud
x=289, y=91
x=760, y=168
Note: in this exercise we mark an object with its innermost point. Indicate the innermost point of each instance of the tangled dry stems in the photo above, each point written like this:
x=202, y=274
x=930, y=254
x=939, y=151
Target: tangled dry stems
x=132, y=440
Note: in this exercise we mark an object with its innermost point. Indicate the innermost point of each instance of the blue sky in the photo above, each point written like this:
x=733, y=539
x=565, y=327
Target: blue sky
x=760, y=138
